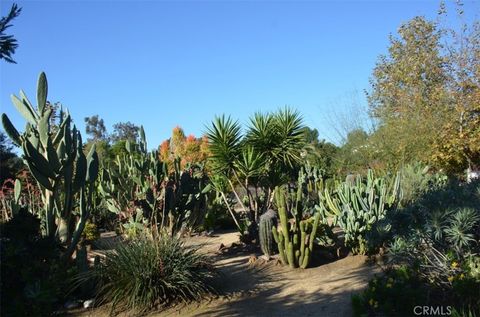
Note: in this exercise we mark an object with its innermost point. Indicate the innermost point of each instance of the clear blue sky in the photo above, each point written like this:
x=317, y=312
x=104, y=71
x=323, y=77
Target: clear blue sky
x=163, y=64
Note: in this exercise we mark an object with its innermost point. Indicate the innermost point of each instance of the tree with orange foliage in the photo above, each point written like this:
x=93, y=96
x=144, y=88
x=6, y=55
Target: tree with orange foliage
x=189, y=149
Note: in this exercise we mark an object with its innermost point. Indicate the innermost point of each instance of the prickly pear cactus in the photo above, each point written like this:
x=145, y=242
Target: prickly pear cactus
x=267, y=221
x=54, y=156
x=139, y=183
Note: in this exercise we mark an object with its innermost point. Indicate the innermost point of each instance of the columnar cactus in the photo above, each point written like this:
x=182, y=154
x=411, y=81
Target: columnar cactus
x=356, y=205
x=312, y=179
x=132, y=184
x=56, y=160
x=294, y=237
x=139, y=182
x=267, y=221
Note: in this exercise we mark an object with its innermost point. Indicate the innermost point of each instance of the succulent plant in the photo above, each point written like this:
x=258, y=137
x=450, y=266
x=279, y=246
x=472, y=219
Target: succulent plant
x=139, y=183
x=355, y=205
x=294, y=236
x=267, y=221
x=57, y=162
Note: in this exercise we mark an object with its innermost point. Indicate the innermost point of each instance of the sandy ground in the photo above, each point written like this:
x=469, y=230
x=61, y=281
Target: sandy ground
x=268, y=289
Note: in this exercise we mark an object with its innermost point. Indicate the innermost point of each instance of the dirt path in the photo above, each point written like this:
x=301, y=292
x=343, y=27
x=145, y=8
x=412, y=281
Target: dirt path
x=273, y=290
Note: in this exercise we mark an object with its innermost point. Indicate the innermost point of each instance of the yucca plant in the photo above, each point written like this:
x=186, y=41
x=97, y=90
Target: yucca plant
x=254, y=163
x=145, y=274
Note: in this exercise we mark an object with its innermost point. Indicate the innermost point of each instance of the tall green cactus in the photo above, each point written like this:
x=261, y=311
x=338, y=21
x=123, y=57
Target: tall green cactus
x=56, y=160
x=356, y=205
x=294, y=236
x=139, y=182
x=131, y=185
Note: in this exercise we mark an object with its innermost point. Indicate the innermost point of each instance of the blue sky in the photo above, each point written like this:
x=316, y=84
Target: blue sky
x=163, y=64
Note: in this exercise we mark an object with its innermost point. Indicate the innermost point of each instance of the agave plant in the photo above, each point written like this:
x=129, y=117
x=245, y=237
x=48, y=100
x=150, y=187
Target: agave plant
x=445, y=234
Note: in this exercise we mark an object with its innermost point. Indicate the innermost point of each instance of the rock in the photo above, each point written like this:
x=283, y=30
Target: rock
x=278, y=261
x=72, y=304
x=264, y=258
x=252, y=259
x=88, y=303
x=472, y=174
x=221, y=247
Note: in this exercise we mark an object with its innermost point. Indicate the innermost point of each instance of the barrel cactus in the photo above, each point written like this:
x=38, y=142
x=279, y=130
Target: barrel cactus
x=267, y=221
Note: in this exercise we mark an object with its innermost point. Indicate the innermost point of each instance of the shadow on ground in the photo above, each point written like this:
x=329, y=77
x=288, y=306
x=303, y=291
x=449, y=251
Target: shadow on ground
x=270, y=290
x=267, y=289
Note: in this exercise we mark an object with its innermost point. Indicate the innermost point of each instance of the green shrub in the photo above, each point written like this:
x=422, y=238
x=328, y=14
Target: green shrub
x=396, y=293
x=439, y=229
x=33, y=278
x=418, y=179
x=144, y=274
x=90, y=232
x=400, y=290
x=437, y=238
x=217, y=217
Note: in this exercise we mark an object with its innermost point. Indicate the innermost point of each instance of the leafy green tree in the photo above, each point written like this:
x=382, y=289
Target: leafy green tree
x=97, y=132
x=95, y=128
x=325, y=158
x=320, y=153
x=311, y=135
x=118, y=149
x=408, y=92
x=8, y=44
x=103, y=149
x=123, y=131
x=426, y=96
x=355, y=155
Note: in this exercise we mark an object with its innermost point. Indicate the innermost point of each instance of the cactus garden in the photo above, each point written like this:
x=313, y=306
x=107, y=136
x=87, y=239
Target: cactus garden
x=263, y=213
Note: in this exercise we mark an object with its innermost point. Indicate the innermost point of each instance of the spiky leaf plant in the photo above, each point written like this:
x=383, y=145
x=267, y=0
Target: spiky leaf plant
x=145, y=274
